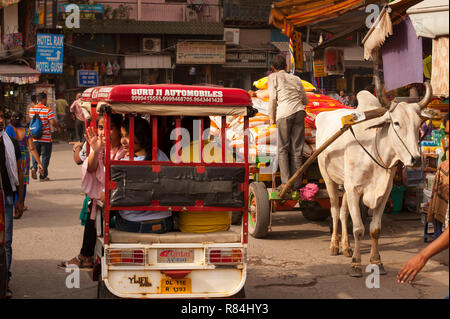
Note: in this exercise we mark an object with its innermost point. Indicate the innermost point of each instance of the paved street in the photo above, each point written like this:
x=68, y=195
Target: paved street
x=292, y=262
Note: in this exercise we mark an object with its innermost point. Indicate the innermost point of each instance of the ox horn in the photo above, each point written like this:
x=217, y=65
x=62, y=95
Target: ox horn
x=428, y=96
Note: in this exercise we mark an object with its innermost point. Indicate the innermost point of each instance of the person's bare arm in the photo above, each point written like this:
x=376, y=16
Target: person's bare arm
x=19, y=205
x=272, y=99
x=302, y=93
x=412, y=267
x=55, y=125
x=96, y=145
x=35, y=155
x=77, y=148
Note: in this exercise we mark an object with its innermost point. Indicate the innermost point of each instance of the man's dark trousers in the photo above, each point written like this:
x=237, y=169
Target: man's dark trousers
x=291, y=138
x=79, y=130
x=43, y=149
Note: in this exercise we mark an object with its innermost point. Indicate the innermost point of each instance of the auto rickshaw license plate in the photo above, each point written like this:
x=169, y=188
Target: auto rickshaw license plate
x=176, y=286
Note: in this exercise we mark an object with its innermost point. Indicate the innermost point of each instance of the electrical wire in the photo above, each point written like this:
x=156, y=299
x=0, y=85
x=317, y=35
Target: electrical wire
x=112, y=54
x=242, y=48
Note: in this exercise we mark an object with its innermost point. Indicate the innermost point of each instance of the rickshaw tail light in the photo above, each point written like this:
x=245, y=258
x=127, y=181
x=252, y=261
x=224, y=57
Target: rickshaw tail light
x=125, y=257
x=225, y=256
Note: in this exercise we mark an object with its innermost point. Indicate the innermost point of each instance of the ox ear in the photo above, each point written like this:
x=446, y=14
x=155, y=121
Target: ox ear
x=378, y=122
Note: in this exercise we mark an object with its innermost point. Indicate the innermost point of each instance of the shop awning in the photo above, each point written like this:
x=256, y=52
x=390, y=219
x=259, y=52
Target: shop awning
x=430, y=18
x=392, y=14
x=290, y=14
x=19, y=74
x=282, y=46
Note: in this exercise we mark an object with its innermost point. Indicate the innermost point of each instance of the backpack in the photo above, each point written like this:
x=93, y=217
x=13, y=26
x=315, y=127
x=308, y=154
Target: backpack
x=36, y=126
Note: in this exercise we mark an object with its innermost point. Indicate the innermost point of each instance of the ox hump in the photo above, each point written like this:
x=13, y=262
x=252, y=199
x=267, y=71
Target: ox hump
x=367, y=101
x=328, y=123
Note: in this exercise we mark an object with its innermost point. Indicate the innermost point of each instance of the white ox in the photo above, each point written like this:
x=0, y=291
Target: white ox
x=389, y=139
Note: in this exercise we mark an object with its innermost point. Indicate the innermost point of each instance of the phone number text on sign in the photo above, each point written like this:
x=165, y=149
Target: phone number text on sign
x=181, y=96
x=177, y=99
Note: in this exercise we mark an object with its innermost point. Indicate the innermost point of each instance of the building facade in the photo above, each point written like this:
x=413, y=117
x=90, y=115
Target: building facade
x=17, y=75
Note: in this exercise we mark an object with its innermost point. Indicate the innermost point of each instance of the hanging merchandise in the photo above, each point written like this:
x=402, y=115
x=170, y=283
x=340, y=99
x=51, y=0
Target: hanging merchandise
x=102, y=68
x=298, y=51
x=402, y=54
x=292, y=56
x=116, y=68
x=71, y=70
x=12, y=40
x=96, y=66
x=440, y=67
x=319, y=64
x=334, y=61
x=109, y=69
x=427, y=66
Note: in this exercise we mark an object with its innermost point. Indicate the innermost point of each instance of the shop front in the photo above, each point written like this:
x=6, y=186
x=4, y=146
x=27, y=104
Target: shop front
x=243, y=67
x=16, y=86
x=146, y=69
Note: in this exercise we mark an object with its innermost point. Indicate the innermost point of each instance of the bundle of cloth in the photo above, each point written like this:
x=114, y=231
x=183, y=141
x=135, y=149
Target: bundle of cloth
x=263, y=135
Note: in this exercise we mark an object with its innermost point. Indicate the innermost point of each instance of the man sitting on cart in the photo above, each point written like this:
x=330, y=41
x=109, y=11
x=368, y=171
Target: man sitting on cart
x=287, y=100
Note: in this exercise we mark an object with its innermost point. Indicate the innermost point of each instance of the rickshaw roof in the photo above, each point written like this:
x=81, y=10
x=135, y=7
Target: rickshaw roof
x=170, y=99
x=91, y=94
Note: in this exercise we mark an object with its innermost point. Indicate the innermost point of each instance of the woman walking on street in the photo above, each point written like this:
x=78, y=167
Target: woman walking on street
x=23, y=136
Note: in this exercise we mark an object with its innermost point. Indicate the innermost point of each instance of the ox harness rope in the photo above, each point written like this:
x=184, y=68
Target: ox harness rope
x=404, y=145
x=383, y=165
x=365, y=150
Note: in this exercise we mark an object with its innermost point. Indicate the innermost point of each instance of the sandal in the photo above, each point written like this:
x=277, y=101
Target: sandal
x=79, y=261
x=17, y=214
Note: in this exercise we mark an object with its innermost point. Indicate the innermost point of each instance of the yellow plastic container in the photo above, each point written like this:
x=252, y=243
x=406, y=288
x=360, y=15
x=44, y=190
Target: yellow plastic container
x=204, y=222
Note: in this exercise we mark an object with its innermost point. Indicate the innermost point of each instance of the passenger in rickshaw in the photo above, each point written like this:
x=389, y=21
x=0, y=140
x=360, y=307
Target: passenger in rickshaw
x=142, y=221
x=93, y=183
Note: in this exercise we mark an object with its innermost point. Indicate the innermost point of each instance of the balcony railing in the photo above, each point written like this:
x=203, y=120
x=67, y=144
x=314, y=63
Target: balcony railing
x=157, y=10
x=246, y=12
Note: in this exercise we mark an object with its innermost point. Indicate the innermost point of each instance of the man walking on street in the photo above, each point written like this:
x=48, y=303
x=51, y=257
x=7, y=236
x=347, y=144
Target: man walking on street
x=75, y=108
x=12, y=181
x=287, y=100
x=44, y=143
x=61, y=109
x=29, y=106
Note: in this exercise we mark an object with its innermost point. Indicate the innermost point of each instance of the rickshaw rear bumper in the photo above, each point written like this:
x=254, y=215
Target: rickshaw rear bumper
x=196, y=278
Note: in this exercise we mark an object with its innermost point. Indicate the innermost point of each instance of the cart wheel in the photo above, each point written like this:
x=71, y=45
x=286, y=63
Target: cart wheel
x=312, y=211
x=258, y=210
x=103, y=292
